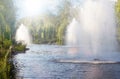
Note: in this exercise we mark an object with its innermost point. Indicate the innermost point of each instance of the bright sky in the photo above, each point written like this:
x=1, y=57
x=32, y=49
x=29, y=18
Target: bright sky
x=115, y=0
x=34, y=7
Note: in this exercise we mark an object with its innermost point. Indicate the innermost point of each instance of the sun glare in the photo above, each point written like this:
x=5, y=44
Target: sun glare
x=32, y=7
x=35, y=7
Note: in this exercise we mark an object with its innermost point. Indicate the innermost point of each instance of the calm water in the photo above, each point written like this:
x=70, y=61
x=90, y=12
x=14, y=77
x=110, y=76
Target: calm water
x=37, y=63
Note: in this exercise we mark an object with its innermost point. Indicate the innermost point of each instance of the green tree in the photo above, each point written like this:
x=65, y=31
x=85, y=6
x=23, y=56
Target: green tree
x=118, y=19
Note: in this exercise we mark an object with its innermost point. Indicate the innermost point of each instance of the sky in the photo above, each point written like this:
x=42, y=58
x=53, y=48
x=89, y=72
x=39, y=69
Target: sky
x=35, y=7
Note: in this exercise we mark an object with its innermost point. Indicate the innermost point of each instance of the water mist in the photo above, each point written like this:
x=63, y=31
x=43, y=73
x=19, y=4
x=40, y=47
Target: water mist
x=23, y=35
x=93, y=34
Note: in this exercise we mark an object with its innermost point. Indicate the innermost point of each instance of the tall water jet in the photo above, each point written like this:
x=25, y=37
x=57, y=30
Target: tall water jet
x=23, y=35
x=94, y=32
x=72, y=32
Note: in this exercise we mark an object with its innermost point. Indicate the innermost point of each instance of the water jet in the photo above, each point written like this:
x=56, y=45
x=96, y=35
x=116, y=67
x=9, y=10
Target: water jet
x=93, y=33
x=23, y=35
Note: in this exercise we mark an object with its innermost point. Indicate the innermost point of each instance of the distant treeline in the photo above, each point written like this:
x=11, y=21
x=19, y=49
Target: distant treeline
x=50, y=27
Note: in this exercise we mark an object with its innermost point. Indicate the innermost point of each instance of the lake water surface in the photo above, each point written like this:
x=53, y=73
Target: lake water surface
x=38, y=63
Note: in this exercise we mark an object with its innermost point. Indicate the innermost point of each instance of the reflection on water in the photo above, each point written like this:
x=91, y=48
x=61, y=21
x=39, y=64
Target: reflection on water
x=99, y=72
x=37, y=64
x=73, y=51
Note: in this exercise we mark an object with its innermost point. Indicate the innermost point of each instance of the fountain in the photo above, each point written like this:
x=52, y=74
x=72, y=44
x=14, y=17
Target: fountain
x=23, y=35
x=92, y=36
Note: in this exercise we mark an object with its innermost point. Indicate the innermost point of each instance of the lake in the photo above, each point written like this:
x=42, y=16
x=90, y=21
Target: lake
x=39, y=63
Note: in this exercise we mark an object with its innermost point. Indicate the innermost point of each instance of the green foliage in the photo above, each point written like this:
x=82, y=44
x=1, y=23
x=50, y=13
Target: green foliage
x=7, y=20
x=49, y=28
x=5, y=69
x=118, y=6
x=19, y=47
x=118, y=19
x=7, y=43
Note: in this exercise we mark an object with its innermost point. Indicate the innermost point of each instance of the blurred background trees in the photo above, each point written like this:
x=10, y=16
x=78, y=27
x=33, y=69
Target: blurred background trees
x=7, y=22
x=117, y=8
x=48, y=28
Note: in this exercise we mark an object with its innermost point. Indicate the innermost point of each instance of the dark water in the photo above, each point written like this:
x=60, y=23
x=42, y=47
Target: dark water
x=37, y=63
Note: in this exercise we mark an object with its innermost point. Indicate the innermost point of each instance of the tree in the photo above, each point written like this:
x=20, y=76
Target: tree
x=7, y=21
x=118, y=19
x=50, y=27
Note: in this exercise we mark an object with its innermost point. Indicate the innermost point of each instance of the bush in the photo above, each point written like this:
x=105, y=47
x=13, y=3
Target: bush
x=20, y=47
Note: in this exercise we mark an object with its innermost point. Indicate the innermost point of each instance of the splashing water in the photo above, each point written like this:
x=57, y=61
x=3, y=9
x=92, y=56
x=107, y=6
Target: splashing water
x=94, y=32
x=23, y=35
